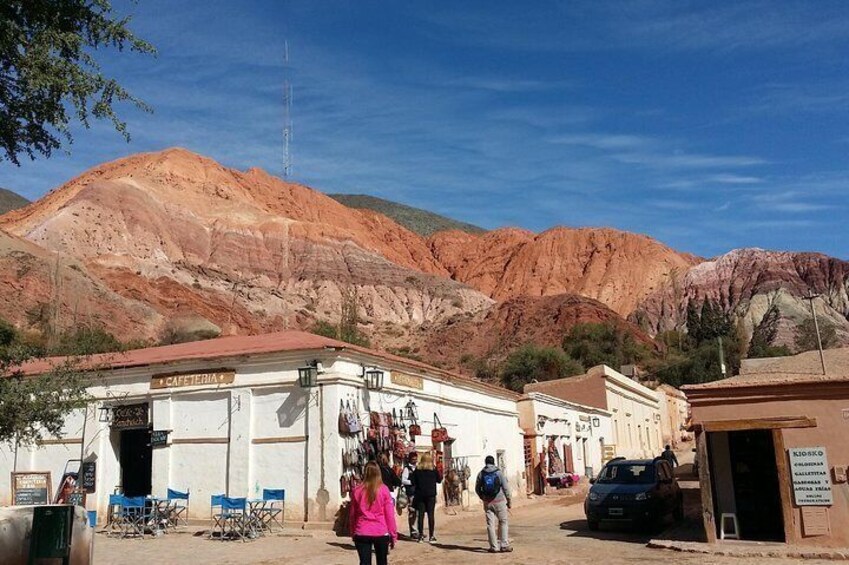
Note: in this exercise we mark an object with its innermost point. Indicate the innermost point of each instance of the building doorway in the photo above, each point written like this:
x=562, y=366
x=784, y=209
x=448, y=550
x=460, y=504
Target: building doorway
x=745, y=482
x=136, y=462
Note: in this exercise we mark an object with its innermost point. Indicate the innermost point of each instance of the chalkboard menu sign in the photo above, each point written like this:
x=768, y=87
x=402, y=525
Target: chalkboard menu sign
x=75, y=498
x=131, y=416
x=31, y=488
x=159, y=438
x=89, y=474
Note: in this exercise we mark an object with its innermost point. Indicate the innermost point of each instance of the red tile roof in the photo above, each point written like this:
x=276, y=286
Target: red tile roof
x=232, y=346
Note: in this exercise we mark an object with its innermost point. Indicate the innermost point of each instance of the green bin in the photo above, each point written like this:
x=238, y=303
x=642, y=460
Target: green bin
x=51, y=533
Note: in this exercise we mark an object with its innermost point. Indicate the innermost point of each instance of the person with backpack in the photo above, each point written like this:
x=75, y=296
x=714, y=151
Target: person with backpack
x=410, y=491
x=669, y=456
x=494, y=492
x=424, y=480
x=371, y=518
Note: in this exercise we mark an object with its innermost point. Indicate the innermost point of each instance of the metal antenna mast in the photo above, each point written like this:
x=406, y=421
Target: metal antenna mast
x=287, y=113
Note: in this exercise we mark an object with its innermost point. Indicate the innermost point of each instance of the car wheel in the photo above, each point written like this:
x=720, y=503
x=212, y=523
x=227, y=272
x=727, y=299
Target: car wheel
x=592, y=525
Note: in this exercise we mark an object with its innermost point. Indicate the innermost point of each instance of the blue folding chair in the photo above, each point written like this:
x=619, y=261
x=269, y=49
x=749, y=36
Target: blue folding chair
x=272, y=514
x=178, y=512
x=233, y=518
x=215, y=501
x=114, y=514
x=136, y=513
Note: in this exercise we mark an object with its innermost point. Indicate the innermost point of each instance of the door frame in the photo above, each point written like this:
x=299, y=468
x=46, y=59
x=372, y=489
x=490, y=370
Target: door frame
x=776, y=426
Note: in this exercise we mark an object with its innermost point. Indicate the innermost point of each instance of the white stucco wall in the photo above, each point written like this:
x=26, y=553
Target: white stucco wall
x=264, y=431
x=636, y=414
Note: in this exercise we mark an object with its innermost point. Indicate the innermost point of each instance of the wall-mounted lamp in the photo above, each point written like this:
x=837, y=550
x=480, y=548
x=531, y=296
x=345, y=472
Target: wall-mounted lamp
x=596, y=422
x=308, y=375
x=105, y=414
x=373, y=378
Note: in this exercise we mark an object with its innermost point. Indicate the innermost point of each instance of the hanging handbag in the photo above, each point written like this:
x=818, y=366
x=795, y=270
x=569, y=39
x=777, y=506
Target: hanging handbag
x=344, y=428
x=353, y=418
x=401, y=501
x=439, y=433
x=415, y=430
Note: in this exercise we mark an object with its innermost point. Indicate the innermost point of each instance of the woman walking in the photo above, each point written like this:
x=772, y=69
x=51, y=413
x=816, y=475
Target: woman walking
x=372, y=518
x=424, y=480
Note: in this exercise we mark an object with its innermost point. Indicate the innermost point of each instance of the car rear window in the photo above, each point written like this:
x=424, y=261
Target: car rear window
x=627, y=474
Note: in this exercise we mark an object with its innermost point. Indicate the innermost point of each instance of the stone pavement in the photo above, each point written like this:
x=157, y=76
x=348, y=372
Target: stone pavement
x=546, y=531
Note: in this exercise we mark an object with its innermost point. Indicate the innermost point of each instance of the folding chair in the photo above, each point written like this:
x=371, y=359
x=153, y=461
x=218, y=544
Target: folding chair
x=178, y=512
x=136, y=514
x=234, y=518
x=215, y=518
x=270, y=513
x=114, y=515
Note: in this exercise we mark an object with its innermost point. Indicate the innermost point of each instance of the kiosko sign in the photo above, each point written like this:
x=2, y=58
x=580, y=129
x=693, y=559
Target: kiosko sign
x=174, y=380
x=809, y=473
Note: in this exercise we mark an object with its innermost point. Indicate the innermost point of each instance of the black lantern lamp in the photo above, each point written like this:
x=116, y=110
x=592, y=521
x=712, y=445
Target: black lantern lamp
x=596, y=422
x=373, y=378
x=411, y=412
x=105, y=414
x=308, y=375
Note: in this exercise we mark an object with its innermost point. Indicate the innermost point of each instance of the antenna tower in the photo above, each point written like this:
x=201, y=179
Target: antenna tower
x=287, y=113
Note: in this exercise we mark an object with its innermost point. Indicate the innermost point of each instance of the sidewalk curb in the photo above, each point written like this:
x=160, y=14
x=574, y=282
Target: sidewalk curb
x=727, y=551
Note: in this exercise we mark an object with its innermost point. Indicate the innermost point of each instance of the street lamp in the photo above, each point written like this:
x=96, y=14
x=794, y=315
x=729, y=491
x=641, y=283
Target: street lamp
x=105, y=414
x=596, y=422
x=373, y=378
x=308, y=375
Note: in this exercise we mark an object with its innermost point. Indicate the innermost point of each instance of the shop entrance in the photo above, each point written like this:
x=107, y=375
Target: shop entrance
x=745, y=483
x=136, y=462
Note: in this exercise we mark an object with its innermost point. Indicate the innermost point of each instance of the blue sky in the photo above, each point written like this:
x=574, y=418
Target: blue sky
x=708, y=125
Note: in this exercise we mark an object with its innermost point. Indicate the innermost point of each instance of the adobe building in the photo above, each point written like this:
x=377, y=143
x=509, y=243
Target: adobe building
x=773, y=451
x=635, y=409
x=561, y=438
x=674, y=415
x=235, y=415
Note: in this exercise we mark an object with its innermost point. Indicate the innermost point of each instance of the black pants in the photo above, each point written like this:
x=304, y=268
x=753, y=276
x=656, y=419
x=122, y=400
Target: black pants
x=426, y=504
x=381, y=549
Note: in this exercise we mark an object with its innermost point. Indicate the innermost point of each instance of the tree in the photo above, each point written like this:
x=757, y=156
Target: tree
x=8, y=334
x=602, y=344
x=764, y=334
x=49, y=76
x=32, y=407
x=531, y=362
x=348, y=329
x=806, y=335
x=86, y=341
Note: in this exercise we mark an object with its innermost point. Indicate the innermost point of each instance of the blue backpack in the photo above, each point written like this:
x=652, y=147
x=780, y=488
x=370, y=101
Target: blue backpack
x=490, y=484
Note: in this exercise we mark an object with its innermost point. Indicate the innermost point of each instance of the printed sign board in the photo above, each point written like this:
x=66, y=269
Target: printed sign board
x=159, y=438
x=403, y=379
x=810, y=476
x=89, y=474
x=31, y=488
x=131, y=416
x=209, y=378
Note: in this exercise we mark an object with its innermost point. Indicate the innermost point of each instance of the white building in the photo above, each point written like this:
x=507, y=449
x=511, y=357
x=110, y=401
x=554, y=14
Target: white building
x=235, y=420
x=562, y=437
x=635, y=409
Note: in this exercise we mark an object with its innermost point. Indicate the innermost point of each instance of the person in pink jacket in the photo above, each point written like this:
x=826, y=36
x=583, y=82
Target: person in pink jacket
x=372, y=517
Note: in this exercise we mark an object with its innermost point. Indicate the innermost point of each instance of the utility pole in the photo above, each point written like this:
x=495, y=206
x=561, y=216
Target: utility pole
x=810, y=298
x=287, y=113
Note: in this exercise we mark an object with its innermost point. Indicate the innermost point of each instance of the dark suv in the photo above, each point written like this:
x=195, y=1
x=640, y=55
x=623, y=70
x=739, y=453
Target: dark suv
x=642, y=492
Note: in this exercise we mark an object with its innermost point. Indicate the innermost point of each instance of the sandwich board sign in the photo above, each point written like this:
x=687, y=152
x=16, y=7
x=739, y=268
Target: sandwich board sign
x=809, y=474
x=31, y=488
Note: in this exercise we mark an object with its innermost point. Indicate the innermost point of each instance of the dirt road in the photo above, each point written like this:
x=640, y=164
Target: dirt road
x=548, y=532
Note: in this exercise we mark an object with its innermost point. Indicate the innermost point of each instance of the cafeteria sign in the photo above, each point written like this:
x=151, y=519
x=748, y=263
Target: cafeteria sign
x=809, y=473
x=209, y=378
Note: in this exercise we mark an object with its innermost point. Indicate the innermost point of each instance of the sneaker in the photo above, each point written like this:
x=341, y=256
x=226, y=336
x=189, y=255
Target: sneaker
x=493, y=550
x=432, y=539
x=421, y=539
x=507, y=549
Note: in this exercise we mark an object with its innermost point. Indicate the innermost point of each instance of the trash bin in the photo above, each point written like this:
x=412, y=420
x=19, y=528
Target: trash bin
x=51, y=533
x=92, y=518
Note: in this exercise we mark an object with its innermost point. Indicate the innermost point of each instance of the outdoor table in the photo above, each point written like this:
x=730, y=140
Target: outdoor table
x=256, y=506
x=160, y=514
